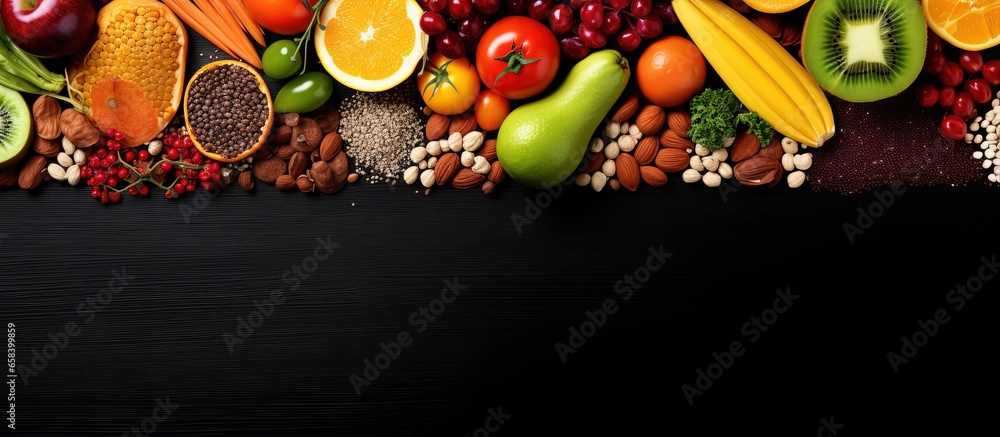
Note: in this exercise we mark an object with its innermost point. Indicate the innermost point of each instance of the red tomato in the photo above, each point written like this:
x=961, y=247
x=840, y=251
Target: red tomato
x=285, y=17
x=491, y=110
x=517, y=57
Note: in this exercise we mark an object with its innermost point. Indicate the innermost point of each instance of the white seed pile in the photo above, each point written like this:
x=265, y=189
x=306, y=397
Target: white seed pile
x=380, y=129
x=983, y=132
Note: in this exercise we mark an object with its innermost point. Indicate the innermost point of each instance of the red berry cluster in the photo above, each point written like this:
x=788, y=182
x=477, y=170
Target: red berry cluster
x=110, y=172
x=962, y=102
x=580, y=25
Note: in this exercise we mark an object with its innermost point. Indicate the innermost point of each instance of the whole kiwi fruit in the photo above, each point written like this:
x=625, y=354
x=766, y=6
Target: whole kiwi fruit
x=15, y=127
x=864, y=50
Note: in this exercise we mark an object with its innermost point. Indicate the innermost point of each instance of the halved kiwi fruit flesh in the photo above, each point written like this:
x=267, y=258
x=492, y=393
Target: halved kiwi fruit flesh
x=864, y=50
x=15, y=127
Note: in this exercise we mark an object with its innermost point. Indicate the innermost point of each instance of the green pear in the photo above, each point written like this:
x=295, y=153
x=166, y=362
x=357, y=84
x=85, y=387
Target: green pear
x=541, y=143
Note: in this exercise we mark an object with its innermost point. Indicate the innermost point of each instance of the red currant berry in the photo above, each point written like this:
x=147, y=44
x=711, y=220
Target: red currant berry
x=114, y=197
x=963, y=104
x=173, y=154
x=190, y=187
x=122, y=173
x=214, y=167
x=952, y=74
x=133, y=190
x=105, y=198
x=207, y=185
x=971, y=61
x=102, y=152
x=991, y=72
x=144, y=155
x=167, y=195
x=144, y=190
x=95, y=193
x=197, y=158
x=947, y=97
x=953, y=127
x=979, y=90
x=112, y=180
x=166, y=166
x=94, y=161
x=179, y=187
x=188, y=143
x=204, y=175
x=927, y=95
x=119, y=136
x=129, y=156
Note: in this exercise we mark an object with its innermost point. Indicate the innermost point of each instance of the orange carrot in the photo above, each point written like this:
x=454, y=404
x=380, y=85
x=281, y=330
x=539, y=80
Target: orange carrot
x=221, y=28
x=194, y=18
x=243, y=15
x=237, y=40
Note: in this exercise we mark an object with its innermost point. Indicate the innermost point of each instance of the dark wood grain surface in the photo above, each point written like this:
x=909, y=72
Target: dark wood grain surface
x=494, y=347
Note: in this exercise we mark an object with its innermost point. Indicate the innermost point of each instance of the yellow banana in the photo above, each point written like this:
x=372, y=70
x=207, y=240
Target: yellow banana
x=765, y=77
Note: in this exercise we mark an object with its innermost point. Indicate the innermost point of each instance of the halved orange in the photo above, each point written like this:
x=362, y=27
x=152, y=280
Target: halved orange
x=368, y=47
x=132, y=78
x=775, y=6
x=966, y=24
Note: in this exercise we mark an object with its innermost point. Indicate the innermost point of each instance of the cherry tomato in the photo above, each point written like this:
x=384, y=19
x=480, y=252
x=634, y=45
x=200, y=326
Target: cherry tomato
x=448, y=86
x=285, y=17
x=670, y=71
x=491, y=110
x=518, y=57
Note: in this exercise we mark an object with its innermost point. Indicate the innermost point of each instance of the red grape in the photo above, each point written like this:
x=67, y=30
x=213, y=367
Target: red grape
x=612, y=23
x=516, y=7
x=971, y=61
x=952, y=74
x=963, y=104
x=593, y=38
x=649, y=27
x=991, y=72
x=934, y=62
x=629, y=40
x=470, y=29
x=437, y=5
x=619, y=4
x=561, y=19
x=592, y=14
x=666, y=13
x=433, y=23
x=979, y=90
x=574, y=48
x=947, y=96
x=486, y=7
x=539, y=10
x=934, y=43
x=927, y=95
x=460, y=9
x=577, y=4
x=953, y=127
x=641, y=8
x=450, y=44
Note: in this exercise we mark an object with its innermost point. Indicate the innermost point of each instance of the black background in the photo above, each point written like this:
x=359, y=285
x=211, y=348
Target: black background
x=493, y=347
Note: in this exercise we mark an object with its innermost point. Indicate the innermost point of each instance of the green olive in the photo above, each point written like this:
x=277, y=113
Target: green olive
x=280, y=59
x=304, y=93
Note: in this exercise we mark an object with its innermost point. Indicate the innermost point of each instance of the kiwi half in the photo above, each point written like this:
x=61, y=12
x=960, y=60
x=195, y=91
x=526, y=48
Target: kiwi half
x=15, y=127
x=864, y=50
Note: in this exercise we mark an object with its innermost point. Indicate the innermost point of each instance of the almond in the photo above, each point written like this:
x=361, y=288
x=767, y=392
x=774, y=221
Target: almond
x=489, y=150
x=47, y=148
x=645, y=151
x=466, y=178
x=31, y=174
x=46, y=112
x=744, y=147
x=330, y=147
x=653, y=176
x=650, y=120
x=497, y=174
x=246, y=181
x=446, y=168
x=627, y=171
x=283, y=152
x=773, y=151
x=679, y=122
x=626, y=110
x=437, y=127
x=463, y=124
x=769, y=23
x=672, y=160
x=489, y=187
x=298, y=164
x=673, y=140
x=595, y=163
x=758, y=170
x=286, y=183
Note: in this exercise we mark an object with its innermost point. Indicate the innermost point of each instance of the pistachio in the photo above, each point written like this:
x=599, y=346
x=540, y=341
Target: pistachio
x=612, y=130
x=608, y=168
x=796, y=179
x=725, y=170
x=626, y=143
x=691, y=176
x=596, y=145
x=710, y=163
x=701, y=150
x=712, y=179
x=582, y=179
x=56, y=171
x=720, y=154
x=788, y=161
x=697, y=164
x=789, y=145
x=612, y=150
x=598, y=181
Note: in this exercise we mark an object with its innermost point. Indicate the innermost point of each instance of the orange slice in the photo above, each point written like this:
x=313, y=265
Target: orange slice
x=368, y=47
x=966, y=24
x=775, y=6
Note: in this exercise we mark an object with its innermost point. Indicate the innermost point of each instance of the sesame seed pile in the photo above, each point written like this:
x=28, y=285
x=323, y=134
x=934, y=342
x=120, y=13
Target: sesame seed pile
x=379, y=130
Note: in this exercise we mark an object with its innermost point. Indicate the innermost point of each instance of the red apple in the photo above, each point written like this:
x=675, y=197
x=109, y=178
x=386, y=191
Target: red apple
x=49, y=28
